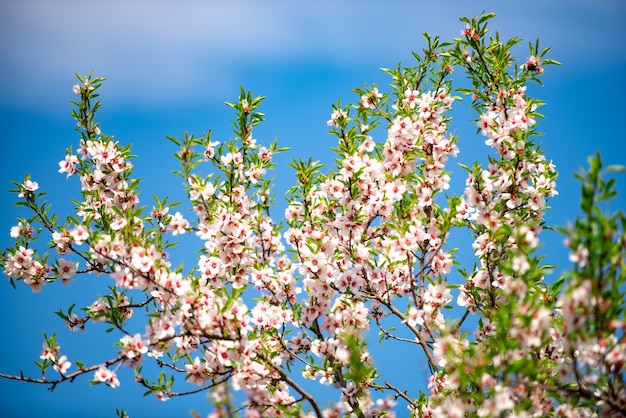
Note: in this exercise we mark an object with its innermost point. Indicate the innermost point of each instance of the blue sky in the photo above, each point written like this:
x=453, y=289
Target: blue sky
x=170, y=66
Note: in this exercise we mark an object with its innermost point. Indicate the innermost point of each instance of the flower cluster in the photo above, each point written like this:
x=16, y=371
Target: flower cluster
x=22, y=265
x=367, y=247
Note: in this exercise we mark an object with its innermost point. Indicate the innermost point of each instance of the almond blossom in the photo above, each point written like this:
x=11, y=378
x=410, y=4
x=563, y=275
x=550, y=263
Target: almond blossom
x=366, y=249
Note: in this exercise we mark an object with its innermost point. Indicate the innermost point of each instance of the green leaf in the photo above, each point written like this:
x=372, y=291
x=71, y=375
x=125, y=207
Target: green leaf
x=615, y=168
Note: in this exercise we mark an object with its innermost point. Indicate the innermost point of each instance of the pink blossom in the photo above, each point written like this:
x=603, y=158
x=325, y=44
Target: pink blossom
x=98, y=307
x=196, y=372
x=254, y=174
x=104, y=375
x=79, y=234
x=62, y=365
x=520, y=264
x=68, y=165
x=143, y=259
x=118, y=224
x=327, y=377
x=410, y=97
x=414, y=317
x=65, y=269
x=29, y=186
x=209, y=152
x=62, y=241
x=18, y=230
x=133, y=347
x=442, y=263
x=19, y=264
x=579, y=256
x=265, y=154
x=335, y=116
x=125, y=278
x=178, y=224
x=533, y=64
x=369, y=100
x=49, y=353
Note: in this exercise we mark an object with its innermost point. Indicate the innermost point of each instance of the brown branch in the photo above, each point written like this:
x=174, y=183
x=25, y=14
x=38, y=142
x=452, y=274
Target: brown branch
x=63, y=378
x=415, y=331
x=300, y=390
x=454, y=331
x=398, y=393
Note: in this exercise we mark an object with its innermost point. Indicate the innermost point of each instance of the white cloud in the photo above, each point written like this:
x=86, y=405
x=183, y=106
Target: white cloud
x=161, y=49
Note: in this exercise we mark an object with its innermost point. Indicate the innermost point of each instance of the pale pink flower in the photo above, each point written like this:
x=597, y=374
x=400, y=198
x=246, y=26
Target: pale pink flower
x=503, y=399
x=265, y=154
x=62, y=365
x=323, y=348
x=29, y=186
x=98, y=307
x=79, y=234
x=327, y=377
x=103, y=153
x=178, y=224
x=367, y=145
x=68, y=165
x=104, y=375
x=410, y=98
x=133, y=347
x=35, y=283
x=536, y=200
x=368, y=101
x=125, y=278
x=49, y=353
x=16, y=231
x=442, y=263
x=532, y=64
x=254, y=174
x=335, y=116
x=414, y=317
x=196, y=372
x=231, y=159
x=437, y=294
x=520, y=264
x=211, y=266
x=579, y=256
x=118, y=224
x=209, y=152
x=489, y=327
x=65, y=269
x=142, y=259
x=487, y=124
x=18, y=264
x=62, y=241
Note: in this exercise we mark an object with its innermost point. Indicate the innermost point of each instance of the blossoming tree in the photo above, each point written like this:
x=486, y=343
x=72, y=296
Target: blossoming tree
x=363, y=250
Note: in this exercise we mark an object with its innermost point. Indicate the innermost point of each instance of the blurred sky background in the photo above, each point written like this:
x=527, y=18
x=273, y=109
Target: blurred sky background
x=170, y=66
